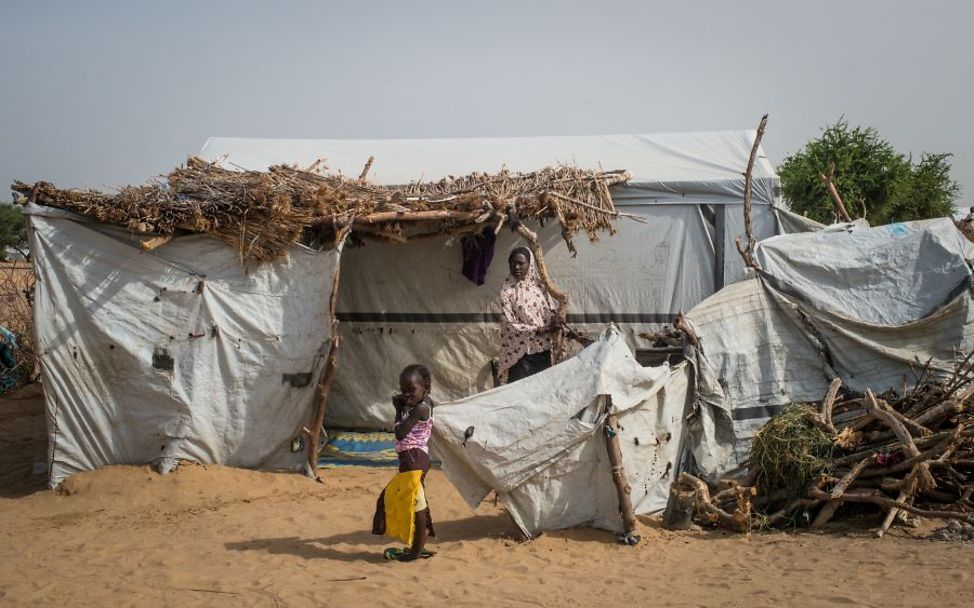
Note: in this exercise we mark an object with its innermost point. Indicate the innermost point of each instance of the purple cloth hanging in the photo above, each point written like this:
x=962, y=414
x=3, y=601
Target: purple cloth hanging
x=478, y=251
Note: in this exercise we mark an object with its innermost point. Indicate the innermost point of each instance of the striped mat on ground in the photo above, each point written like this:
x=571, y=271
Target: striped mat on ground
x=363, y=449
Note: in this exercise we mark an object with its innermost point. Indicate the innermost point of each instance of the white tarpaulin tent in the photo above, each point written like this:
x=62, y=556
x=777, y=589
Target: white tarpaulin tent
x=177, y=353
x=400, y=304
x=540, y=445
x=852, y=302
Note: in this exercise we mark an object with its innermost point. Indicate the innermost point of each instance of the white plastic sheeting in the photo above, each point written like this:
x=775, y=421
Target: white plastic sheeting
x=401, y=304
x=674, y=167
x=540, y=444
x=857, y=303
x=178, y=353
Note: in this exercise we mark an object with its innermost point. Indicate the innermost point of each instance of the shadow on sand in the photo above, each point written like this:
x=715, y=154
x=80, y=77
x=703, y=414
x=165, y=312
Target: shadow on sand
x=475, y=527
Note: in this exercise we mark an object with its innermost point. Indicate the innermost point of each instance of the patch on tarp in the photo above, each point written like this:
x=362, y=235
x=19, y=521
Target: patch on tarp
x=162, y=360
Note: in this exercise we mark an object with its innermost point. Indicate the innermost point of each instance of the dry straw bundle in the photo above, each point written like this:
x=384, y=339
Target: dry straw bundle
x=263, y=213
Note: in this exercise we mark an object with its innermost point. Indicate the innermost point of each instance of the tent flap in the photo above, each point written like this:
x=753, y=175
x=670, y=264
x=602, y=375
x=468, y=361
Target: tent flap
x=539, y=442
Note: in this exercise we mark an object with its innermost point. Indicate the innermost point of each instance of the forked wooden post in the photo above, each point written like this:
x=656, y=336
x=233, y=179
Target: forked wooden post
x=331, y=365
x=613, y=447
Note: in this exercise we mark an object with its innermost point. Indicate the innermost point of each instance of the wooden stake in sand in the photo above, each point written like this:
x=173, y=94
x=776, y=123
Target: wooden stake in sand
x=612, y=430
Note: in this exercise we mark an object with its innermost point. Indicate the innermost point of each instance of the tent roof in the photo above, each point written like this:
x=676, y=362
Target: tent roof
x=663, y=166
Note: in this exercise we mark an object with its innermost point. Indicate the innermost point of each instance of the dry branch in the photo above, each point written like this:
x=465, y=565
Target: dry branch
x=834, y=193
x=748, y=252
x=738, y=520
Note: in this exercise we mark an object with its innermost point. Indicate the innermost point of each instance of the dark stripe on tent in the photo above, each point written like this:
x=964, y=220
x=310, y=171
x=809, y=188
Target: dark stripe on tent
x=490, y=317
x=621, y=317
x=757, y=412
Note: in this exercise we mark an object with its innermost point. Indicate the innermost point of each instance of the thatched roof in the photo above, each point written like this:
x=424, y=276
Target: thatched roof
x=263, y=213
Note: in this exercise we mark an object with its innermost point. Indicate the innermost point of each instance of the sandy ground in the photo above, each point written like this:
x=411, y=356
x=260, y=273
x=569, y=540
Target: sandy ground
x=214, y=536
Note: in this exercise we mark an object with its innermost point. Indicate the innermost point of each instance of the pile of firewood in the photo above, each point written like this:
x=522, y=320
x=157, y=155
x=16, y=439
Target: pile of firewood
x=907, y=454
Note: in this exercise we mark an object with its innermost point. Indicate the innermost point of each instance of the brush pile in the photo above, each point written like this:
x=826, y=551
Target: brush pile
x=16, y=315
x=907, y=454
x=263, y=213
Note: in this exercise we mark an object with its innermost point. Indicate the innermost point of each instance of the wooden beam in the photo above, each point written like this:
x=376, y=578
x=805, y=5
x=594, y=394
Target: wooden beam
x=416, y=216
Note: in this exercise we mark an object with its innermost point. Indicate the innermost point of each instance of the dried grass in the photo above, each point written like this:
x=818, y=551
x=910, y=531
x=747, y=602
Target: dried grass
x=263, y=213
x=790, y=452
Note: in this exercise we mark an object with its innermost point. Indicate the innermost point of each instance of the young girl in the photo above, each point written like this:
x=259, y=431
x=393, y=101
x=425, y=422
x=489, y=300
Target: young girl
x=413, y=427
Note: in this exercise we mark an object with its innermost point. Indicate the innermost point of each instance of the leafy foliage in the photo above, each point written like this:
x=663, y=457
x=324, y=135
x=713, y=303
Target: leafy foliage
x=789, y=452
x=13, y=230
x=874, y=180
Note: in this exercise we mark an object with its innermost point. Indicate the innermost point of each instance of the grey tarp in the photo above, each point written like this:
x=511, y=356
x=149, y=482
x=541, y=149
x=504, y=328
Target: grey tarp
x=853, y=302
x=539, y=443
x=790, y=223
x=178, y=353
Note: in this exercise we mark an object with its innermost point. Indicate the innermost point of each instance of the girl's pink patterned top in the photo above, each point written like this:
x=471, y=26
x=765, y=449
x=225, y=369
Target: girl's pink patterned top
x=419, y=437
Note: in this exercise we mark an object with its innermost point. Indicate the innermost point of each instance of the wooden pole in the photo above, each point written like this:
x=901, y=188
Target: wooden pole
x=748, y=252
x=331, y=365
x=402, y=216
x=623, y=489
x=416, y=216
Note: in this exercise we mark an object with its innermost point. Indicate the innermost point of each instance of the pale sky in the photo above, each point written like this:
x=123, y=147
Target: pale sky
x=108, y=93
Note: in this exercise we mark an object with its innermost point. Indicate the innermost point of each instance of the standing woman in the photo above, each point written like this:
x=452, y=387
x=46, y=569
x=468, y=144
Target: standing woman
x=528, y=321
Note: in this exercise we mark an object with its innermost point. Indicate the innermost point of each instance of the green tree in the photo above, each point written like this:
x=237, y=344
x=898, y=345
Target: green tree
x=874, y=180
x=13, y=230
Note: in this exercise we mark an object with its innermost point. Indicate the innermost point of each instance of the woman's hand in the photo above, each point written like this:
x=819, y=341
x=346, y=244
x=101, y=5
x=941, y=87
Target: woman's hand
x=556, y=323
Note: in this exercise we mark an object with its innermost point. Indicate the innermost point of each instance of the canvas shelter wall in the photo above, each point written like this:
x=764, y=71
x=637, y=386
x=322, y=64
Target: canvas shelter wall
x=178, y=353
x=857, y=303
x=540, y=443
x=403, y=303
